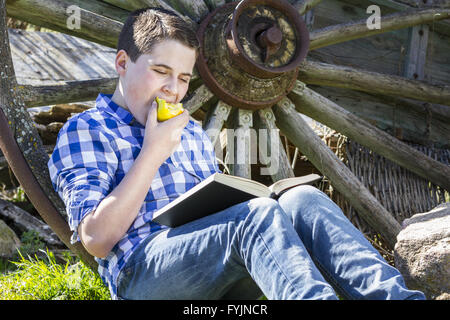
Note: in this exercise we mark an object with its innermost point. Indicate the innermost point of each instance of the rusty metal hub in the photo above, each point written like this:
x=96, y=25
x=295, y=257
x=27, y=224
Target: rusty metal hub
x=251, y=50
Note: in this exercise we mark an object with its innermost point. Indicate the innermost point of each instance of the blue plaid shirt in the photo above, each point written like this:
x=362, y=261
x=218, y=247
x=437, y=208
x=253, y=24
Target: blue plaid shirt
x=94, y=151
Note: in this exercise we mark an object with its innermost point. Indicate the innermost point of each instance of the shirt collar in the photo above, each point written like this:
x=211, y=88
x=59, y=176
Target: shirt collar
x=105, y=103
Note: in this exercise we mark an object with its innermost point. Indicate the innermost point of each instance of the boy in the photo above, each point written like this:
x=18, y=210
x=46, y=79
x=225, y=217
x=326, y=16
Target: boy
x=114, y=165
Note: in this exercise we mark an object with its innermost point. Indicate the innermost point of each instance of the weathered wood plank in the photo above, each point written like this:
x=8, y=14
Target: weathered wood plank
x=332, y=115
x=394, y=115
x=53, y=14
x=372, y=82
x=401, y=4
x=389, y=6
x=54, y=68
x=195, y=9
x=132, y=5
x=380, y=53
x=48, y=66
x=302, y=136
x=384, y=53
x=354, y=30
x=417, y=52
x=66, y=92
x=48, y=57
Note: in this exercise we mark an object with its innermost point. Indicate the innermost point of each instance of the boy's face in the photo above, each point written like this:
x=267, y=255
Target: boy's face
x=163, y=73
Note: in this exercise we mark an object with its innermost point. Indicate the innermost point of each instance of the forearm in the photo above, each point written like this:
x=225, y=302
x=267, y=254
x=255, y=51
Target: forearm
x=102, y=229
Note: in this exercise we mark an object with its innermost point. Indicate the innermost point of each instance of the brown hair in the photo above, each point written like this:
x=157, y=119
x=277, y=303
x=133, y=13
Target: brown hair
x=148, y=26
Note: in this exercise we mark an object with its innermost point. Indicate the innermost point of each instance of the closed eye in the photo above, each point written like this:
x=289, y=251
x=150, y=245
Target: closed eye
x=160, y=71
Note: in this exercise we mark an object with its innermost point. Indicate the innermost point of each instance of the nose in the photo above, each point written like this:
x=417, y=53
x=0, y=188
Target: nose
x=171, y=86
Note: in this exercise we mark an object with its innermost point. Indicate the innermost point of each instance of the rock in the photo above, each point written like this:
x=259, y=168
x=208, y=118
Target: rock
x=9, y=242
x=422, y=252
x=22, y=221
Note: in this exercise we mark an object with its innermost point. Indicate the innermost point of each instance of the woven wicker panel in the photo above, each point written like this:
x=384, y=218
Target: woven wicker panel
x=400, y=191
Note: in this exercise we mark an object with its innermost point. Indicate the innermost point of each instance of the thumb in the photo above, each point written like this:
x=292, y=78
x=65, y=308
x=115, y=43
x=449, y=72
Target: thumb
x=152, y=115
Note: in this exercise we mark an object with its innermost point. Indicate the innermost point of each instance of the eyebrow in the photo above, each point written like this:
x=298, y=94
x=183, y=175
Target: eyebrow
x=167, y=67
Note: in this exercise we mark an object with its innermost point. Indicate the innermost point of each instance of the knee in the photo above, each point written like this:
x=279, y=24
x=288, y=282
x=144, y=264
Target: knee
x=303, y=202
x=262, y=209
x=302, y=196
x=266, y=205
x=310, y=203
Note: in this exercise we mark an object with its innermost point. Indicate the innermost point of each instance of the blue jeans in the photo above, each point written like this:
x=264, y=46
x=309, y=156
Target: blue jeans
x=299, y=247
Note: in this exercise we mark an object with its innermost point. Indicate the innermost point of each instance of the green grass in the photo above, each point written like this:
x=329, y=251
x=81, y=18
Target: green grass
x=45, y=279
x=34, y=273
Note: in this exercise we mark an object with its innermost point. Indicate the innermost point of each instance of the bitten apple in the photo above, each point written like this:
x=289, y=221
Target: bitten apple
x=168, y=110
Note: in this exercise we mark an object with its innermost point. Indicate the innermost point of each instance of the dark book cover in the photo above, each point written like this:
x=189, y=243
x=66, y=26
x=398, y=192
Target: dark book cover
x=211, y=198
x=219, y=192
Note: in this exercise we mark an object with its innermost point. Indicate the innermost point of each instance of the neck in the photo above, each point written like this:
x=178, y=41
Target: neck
x=118, y=99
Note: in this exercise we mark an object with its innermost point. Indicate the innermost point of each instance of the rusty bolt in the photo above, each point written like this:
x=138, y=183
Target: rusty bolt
x=270, y=38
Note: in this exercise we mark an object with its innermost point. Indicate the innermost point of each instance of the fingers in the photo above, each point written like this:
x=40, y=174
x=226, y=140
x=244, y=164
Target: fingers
x=173, y=126
x=179, y=121
x=184, y=118
x=164, y=136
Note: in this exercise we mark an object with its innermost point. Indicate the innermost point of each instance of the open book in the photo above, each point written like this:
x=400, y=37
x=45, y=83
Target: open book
x=220, y=191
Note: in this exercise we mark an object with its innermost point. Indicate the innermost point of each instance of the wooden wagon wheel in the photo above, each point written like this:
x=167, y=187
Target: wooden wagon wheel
x=255, y=58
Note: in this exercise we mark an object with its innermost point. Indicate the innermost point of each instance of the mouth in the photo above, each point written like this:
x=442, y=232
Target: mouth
x=167, y=100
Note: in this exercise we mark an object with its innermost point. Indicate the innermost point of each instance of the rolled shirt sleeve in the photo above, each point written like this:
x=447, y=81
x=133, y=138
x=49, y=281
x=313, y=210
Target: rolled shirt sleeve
x=82, y=169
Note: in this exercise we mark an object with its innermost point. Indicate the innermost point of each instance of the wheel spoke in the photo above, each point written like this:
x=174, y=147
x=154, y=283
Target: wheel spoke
x=213, y=4
x=270, y=148
x=197, y=99
x=215, y=119
x=354, y=30
x=240, y=149
x=332, y=115
x=322, y=157
x=303, y=6
x=138, y=4
x=319, y=73
x=194, y=9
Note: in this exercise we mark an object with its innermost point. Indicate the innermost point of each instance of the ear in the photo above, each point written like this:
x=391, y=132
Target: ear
x=121, y=62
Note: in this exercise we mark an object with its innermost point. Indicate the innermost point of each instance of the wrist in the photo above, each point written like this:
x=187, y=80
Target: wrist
x=154, y=153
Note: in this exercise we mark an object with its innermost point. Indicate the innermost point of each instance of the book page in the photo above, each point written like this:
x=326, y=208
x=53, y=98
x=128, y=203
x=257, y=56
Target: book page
x=288, y=183
x=253, y=187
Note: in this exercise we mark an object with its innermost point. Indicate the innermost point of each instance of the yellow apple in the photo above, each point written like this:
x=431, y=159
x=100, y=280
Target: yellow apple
x=168, y=110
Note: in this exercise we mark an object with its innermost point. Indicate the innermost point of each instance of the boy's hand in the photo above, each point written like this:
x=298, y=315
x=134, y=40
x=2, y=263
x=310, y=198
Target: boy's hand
x=163, y=137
